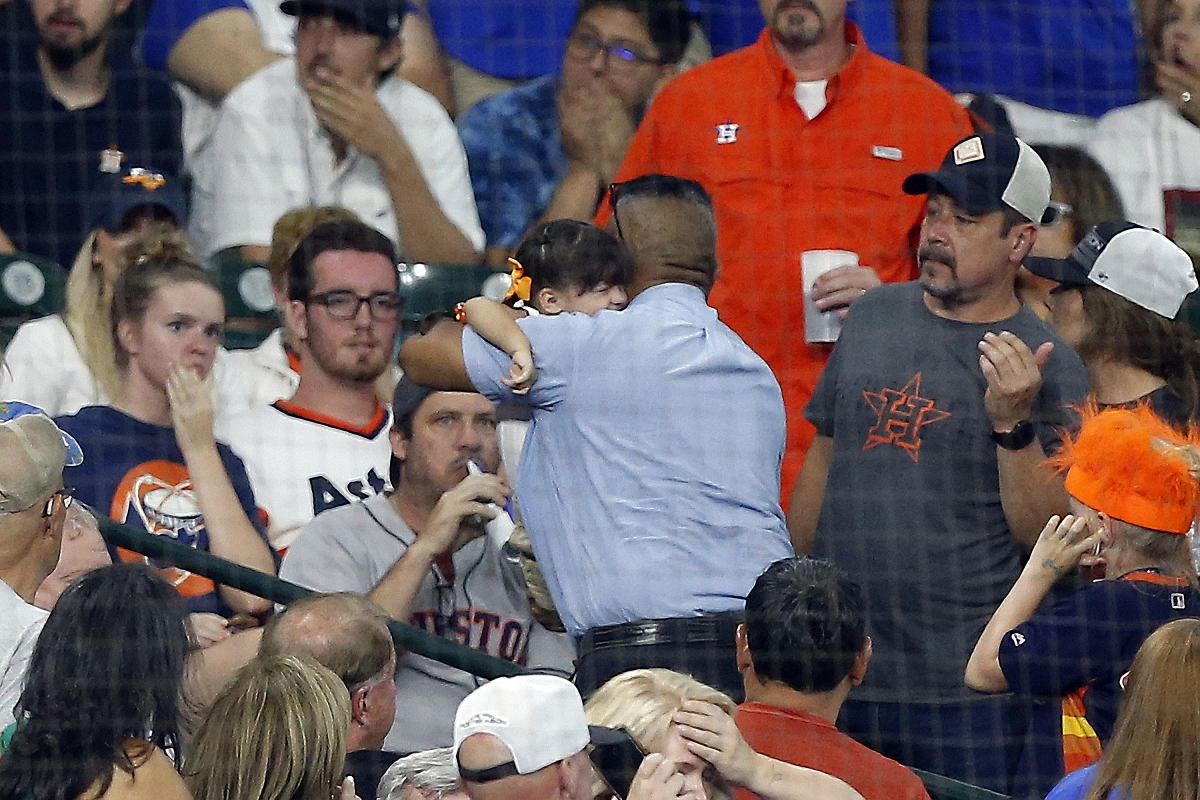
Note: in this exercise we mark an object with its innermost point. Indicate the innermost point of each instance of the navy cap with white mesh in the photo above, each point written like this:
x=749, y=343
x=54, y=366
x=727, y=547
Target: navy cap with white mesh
x=988, y=172
x=1137, y=263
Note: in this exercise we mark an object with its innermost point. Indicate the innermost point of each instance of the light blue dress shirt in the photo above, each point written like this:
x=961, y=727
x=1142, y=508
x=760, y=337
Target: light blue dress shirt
x=649, y=483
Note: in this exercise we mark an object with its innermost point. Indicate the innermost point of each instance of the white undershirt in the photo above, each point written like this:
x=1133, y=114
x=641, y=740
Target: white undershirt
x=810, y=96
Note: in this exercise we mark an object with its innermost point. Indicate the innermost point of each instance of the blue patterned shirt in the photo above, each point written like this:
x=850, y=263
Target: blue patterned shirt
x=515, y=154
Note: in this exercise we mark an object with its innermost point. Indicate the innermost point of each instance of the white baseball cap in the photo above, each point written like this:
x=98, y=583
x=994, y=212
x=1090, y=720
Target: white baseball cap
x=1139, y=264
x=539, y=718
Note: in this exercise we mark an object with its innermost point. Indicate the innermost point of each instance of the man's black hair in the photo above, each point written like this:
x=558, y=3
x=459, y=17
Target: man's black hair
x=668, y=22
x=341, y=235
x=657, y=185
x=804, y=624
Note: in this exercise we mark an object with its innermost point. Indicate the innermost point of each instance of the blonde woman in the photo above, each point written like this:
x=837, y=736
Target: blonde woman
x=1155, y=751
x=156, y=463
x=642, y=702
x=65, y=361
x=276, y=732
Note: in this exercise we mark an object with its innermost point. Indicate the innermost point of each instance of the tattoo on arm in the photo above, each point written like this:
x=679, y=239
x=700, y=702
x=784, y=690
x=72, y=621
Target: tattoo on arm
x=1048, y=563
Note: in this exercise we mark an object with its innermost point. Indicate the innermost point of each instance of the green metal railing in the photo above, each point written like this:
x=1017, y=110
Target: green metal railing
x=283, y=592
x=406, y=636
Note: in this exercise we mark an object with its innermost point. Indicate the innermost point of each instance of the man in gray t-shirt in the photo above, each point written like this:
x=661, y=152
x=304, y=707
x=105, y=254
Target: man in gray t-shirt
x=419, y=552
x=925, y=483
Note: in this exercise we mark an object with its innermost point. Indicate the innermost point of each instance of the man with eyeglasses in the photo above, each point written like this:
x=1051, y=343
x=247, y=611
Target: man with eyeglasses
x=802, y=139
x=33, y=505
x=547, y=149
x=324, y=127
x=327, y=445
x=419, y=552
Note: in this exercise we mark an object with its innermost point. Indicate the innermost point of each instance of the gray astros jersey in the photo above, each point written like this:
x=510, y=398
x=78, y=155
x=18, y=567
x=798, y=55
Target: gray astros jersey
x=350, y=549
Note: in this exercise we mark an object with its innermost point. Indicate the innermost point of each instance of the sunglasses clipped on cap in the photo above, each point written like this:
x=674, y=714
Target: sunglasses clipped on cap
x=1057, y=213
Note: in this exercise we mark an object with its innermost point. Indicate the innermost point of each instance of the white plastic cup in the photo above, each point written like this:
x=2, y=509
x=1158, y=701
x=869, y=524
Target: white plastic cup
x=821, y=326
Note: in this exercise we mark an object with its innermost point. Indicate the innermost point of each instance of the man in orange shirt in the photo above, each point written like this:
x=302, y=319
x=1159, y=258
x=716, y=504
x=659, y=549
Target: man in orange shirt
x=803, y=140
x=801, y=650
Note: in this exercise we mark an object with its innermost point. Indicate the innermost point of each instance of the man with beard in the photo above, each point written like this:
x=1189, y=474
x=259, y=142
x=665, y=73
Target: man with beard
x=419, y=552
x=937, y=407
x=803, y=140
x=71, y=107
x=323, y=128
x=326, y=446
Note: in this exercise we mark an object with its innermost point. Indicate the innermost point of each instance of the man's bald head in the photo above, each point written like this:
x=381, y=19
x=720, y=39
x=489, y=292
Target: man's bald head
x=345, y=632
x=668, y=225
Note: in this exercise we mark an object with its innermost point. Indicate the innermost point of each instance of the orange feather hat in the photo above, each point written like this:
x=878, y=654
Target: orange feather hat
x=1130, y=464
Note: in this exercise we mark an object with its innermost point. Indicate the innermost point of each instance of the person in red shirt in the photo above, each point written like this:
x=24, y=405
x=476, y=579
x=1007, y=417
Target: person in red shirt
x=803, y=140
x=801, y=650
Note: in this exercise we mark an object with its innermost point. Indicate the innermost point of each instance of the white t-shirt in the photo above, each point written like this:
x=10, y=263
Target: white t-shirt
x=43, y=367
x=260, y=376
x=20, y=625
x=1148, y=149
x=268, y=154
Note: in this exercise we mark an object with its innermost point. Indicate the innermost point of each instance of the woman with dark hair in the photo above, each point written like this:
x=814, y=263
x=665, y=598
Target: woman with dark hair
x=101, y=707
x=155, y=463
x=1116, y=300
x=1081, y=196
x=1150, y=148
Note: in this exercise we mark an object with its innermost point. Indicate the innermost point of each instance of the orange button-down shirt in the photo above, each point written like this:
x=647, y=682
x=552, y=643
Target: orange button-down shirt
x=782, y=184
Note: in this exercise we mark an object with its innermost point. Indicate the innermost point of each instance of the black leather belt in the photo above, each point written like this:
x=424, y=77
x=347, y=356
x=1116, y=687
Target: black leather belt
x=705, y=629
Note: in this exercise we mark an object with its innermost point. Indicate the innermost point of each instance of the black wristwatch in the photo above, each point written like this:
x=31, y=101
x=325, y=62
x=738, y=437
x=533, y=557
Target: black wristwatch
x=1020, y=437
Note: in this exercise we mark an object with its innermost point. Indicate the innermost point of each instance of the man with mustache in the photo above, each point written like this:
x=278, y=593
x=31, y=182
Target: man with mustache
x=324, y=128
x=420, y=553
x=73, y=107
x=802, y=139
x=923, y=483
x=327, y=445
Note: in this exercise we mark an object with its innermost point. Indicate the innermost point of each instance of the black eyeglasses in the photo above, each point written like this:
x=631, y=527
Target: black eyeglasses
x=585, y=46
x=344, y=304
x=67, y=493
x=614, y=192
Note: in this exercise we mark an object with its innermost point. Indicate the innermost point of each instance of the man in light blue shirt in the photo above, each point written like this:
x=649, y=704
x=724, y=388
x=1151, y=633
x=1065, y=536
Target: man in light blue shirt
x=649, y=482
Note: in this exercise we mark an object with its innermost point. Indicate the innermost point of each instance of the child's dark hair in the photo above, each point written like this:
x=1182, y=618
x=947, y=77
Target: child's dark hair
x=567, y=254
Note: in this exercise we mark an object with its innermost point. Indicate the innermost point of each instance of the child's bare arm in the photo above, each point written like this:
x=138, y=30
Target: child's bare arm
x=495, y=323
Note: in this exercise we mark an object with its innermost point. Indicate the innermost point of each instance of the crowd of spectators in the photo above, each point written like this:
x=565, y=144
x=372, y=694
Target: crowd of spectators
x=637, y=474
